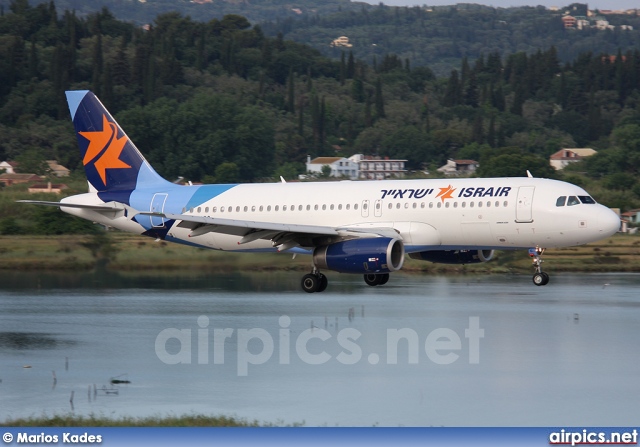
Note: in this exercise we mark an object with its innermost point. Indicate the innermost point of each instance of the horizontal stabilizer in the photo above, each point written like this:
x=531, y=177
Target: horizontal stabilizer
x=109, y=206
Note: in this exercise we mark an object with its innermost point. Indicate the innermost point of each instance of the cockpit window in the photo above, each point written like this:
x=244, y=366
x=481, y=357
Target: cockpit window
x=561, y=200
x=573, y=200
x=587, y=200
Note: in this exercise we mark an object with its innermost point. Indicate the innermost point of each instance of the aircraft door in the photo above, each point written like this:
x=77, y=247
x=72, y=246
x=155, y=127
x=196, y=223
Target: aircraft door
x=524, y=203
x=377, y=208
x=365, y=208
x=157, y=206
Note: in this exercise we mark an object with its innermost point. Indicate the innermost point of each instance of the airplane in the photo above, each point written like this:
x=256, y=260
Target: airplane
x=358, y=227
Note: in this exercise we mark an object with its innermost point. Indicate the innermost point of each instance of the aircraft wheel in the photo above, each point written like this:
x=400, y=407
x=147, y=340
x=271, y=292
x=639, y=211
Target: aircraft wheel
x=546, y=278
x=323, y=283
x=371, y=279
x=310, y=283
x=384, y=279
x=541, y=279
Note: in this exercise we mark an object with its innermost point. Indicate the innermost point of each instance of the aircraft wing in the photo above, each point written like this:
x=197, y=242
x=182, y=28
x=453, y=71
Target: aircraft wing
x=283, y=235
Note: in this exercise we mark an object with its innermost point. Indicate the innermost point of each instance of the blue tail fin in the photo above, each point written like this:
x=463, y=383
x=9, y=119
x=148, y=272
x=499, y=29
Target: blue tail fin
x=111, y=161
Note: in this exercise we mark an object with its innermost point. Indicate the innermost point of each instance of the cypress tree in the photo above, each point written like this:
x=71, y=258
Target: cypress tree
x=379, y=100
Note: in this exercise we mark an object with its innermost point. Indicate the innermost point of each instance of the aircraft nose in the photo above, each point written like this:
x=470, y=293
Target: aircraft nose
x=608, y=222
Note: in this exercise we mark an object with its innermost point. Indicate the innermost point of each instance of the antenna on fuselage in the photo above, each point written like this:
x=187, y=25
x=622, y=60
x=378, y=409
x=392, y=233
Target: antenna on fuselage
x=529, y=174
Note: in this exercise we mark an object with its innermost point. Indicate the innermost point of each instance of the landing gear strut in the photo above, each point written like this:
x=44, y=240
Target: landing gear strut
x=314, y=281
x=540, y=278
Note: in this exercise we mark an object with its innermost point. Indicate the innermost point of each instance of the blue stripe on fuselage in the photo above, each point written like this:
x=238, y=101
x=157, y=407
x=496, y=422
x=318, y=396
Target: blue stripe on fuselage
x=178, y=198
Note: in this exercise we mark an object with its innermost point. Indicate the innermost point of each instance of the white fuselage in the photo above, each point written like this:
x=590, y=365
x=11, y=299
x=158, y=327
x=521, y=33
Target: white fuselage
x=498, y=213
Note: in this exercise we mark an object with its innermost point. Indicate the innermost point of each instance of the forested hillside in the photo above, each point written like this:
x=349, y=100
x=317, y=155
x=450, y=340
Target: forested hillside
x=220, y=101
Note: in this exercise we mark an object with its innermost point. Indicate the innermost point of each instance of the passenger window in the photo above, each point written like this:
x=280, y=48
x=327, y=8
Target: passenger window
x=315, y=207
x=299, y=207
x=488, y=204
x=199, y=209
x=390, y=205
x=398, y=205
x=276, y=208
x=439, y=204
x=446, y=205
x=430, y=204
x=505, y=204
x=246, y=208
x=561, y=200
x=222, y=209
x=308, y=207
x=471, y=205
x=324, y=207
x=377, y=205
x=206, y=209
x=415, y=205
x=464, y=204
x=479, y=204
x=237, y=209
x=253, y=209
x=348, y=206
x=284, y=208
x=355, y=207
x=455, y=204
x=572, y=200
x=406, y=206
x=497, y=203
x=331, y=207
x=421, y=204
x=214, y=209
x=261, y=208
x=184, y=210
x=269, y=208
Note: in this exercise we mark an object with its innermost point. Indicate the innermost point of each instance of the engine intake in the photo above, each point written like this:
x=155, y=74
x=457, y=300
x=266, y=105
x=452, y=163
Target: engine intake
x=372, y=255
x=454, y=256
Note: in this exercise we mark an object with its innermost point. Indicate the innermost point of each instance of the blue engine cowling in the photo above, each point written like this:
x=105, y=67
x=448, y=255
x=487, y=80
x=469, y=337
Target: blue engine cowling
x=454, y=256
x=372, y=255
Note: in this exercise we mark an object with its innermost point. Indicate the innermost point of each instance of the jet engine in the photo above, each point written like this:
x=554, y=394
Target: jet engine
x=371, y=255
x=454, y=256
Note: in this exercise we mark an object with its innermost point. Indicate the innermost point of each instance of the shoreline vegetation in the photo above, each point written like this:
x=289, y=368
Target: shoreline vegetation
x=130, y=253
x=187, y=420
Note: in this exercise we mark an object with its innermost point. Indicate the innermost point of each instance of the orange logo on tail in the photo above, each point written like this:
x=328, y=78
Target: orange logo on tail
x=105, y=141
x=445, y=193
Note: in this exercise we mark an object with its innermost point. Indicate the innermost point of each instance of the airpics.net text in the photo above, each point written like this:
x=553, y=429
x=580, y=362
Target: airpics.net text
x=258, y=346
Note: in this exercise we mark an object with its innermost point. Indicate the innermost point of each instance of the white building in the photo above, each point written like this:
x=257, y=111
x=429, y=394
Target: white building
x=378, y=168
x=459, y=168
x=563, y=157
x=340, y=166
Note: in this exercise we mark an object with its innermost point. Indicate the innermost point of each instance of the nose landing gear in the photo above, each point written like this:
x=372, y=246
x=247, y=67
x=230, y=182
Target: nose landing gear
x=540, y=278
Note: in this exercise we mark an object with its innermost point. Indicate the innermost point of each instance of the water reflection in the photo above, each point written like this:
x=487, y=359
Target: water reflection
x=558, y=355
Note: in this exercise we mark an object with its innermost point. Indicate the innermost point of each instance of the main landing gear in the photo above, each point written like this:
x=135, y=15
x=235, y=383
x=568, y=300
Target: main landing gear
x=376, y=280
x=314, y=282
x=317, y=282
x=540, y=278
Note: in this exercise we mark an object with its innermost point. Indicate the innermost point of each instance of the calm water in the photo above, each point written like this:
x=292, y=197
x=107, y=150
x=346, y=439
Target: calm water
x=565, y=354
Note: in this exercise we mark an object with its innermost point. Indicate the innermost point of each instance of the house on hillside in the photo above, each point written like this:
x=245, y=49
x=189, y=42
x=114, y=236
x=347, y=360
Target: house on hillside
x=15, y=179
x=378, y=168
x=566, y=156
x=8, y=166
x=459, y=168
x=340, y=166
x=57, y=169
x=51, y=188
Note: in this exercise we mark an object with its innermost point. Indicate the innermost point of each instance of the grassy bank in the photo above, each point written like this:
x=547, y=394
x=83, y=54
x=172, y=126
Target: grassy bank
x=192, y=420
x=137, y=253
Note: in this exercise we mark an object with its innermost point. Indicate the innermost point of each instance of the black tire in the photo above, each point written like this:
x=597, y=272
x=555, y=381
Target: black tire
x=540, y=279
x=323, y=283
x=310, y=283
x=371, y=279
x=546, y=278
x=384, y=278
